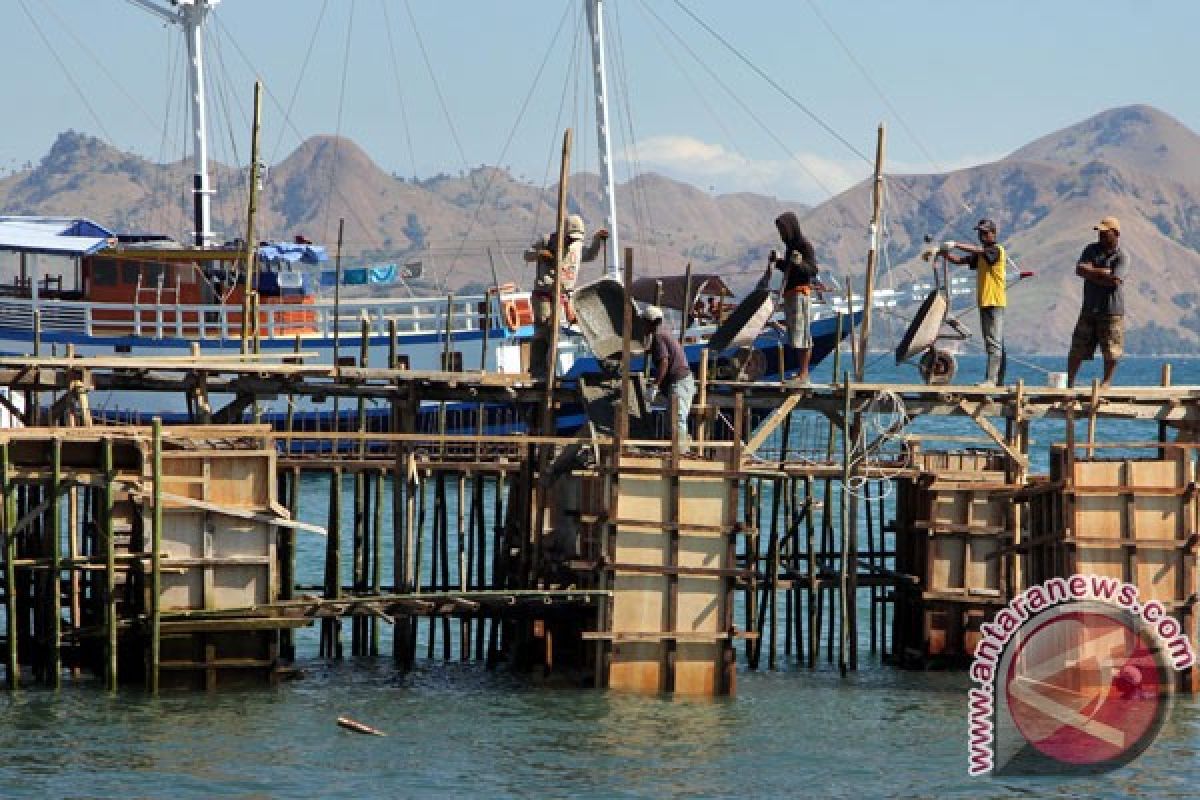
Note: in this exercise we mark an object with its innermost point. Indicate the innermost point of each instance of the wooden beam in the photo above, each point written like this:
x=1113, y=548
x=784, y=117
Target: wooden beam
x=772, y=422
x=987, y=427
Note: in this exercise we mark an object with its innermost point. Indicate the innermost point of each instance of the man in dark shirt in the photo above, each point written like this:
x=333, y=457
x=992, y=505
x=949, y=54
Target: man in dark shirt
x=799, y=267
x=1102, y=317
x=672, y=376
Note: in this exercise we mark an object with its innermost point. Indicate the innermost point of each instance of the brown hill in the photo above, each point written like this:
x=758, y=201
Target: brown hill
x=1139, y=167
x=1135, y=162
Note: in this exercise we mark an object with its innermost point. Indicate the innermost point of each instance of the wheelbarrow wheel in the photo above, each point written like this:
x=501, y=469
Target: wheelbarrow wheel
x=938, y=366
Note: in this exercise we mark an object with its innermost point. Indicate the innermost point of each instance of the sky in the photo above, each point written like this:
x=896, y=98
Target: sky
x=783, y=100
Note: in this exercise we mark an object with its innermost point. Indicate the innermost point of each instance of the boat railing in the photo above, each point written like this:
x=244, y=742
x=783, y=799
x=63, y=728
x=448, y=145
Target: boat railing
x=150, y=316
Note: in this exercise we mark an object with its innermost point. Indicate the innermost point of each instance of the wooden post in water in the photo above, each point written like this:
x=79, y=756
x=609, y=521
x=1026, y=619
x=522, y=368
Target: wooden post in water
x=13, y=670
x=156, y=531
x=110, y=566
x=54, y=587
x=331, y=634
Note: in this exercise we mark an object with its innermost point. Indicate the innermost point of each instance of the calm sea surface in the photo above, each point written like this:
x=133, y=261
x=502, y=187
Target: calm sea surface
x=459, y=730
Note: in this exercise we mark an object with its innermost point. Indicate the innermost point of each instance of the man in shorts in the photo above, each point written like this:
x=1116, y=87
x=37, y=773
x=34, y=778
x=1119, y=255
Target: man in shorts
x=799, y=267
x=1102, y=317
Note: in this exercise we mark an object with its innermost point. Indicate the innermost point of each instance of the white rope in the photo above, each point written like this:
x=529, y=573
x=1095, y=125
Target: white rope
x=884, y=422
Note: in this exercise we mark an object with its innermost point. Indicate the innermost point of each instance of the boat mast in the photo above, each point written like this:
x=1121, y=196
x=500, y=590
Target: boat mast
x=595, y=17
x=190, y=16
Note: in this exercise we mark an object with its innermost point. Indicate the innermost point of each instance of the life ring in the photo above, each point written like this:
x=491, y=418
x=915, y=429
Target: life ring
x=517, y=313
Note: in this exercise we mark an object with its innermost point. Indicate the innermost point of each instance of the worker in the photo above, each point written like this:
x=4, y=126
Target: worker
x=542, y=253
x=989, y=260
x=1102, y=317
x=672, y=375
x=799, y=267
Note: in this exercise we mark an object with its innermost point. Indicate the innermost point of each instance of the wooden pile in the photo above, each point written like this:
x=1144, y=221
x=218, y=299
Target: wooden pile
x=953, y=525
x=1134, y=519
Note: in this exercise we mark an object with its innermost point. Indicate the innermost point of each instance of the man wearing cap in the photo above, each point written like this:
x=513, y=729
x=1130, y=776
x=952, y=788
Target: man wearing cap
x=542, y=253
x=988, y=259
x=1102, y=317
x=672, y=375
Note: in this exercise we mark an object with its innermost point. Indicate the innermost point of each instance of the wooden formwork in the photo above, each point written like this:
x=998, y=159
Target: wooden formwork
x=1133, y=519
x=218, y=551
x=952, y=527
x=668, y=558
x=98, y=577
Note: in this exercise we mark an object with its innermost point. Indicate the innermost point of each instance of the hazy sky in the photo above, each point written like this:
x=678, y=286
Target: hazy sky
x=957, y=82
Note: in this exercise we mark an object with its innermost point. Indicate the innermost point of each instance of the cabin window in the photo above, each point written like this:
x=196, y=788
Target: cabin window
x=402, y=361
x=129, y=273
x=104, y=273
x=152, y=273
x=452, y=361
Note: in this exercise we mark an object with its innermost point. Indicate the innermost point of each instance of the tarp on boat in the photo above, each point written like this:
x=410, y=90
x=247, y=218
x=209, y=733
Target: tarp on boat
x=65, y=236
x=378, y=275
x=645, y=290
x=283, y=254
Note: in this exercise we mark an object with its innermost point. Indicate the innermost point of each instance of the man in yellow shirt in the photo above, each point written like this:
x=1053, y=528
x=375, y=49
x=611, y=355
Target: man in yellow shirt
x=989, y=261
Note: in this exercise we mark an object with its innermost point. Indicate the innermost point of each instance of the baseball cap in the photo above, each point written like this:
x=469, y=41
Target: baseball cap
x=1109, y=224
x=986, y=225
x=652, y=313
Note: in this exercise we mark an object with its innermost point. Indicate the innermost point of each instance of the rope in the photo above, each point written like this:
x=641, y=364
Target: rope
x=512, y=133
x=762, y=125
x=885, y=424
x=775, y=85
x=337, y=137
x=387, y=23
x=66, y=72
x=287, y=112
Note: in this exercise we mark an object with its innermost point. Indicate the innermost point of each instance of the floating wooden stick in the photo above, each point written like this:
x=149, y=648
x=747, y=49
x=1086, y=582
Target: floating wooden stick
x=358, y=727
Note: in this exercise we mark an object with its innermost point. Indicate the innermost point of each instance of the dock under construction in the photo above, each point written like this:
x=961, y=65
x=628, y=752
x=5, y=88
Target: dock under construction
x=802, y=523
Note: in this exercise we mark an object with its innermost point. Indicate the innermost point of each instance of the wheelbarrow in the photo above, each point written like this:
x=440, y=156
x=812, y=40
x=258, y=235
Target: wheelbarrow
x=933, y=326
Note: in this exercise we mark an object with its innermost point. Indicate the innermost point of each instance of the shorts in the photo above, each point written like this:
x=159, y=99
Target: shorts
x=797, y=310
x=1104, y=330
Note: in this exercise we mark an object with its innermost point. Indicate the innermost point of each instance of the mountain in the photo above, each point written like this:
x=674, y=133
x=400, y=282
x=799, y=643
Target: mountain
x=448, y=221
x=1135, y=162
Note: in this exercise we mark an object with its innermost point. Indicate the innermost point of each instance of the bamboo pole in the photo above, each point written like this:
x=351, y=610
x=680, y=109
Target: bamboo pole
x=54, y=637
x=860, y=368
x=10, y=570
x=110, y=568
x=250, y=294
x=844, y=609
x=156, y=558
x=287, y=577
x=377, y=556
x=810, y=601
x=331, y=634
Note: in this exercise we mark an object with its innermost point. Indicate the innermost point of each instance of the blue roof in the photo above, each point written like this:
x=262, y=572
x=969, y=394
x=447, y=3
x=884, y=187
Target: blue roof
x=71, y=236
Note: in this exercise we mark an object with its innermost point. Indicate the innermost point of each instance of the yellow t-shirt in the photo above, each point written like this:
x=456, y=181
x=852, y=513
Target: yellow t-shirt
x=989, y=281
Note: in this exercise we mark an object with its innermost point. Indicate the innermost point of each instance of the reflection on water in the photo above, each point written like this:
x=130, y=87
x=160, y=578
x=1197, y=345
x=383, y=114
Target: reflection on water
x=459, y=730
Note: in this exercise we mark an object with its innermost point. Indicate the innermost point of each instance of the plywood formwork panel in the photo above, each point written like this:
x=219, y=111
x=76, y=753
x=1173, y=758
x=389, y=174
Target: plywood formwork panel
x=648, y=602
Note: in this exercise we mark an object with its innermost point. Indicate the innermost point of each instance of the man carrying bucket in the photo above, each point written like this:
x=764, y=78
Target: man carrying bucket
x=542, y=253
x=989, y=260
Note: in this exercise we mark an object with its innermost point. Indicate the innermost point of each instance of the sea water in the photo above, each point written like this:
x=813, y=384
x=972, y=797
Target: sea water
x=458, y=730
